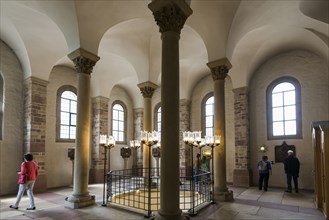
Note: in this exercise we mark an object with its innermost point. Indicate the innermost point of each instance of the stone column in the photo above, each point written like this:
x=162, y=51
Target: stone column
x=219, y=69
x=35, y=103
x=170, y=15
x=147, y=90
x=84, y=62
x=242, y=174
x=185, y=150
x=100, y=110
x=138, y=127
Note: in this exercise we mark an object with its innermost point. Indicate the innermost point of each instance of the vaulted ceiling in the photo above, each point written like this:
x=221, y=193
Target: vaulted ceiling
x=125, y=36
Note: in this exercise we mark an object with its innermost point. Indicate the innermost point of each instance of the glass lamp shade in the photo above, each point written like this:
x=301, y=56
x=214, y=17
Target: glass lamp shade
x=197, y=136
x=102, y=139
x=217, y=140
x=110, y=140
x=106, y=140
x=209, y=140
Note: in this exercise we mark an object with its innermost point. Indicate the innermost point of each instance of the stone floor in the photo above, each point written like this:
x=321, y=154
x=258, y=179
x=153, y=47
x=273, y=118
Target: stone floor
x=249, y=203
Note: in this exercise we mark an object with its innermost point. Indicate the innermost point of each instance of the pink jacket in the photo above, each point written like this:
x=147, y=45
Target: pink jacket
x=30, y=168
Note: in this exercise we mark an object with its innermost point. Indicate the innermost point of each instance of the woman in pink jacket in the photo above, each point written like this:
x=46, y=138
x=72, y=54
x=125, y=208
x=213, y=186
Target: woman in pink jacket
x=30, y=169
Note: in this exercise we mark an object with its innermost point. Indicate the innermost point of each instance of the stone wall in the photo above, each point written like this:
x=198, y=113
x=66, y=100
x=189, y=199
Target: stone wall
x=99, y=125
x=242, y=174
x=11, y=144
x=35, y=103
x=312, y=73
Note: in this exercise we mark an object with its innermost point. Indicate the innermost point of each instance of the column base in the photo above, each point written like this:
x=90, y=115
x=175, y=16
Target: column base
x=96, y=176
x=224, y=196
x=76, y=202
x=170, y=216
x=242, y=177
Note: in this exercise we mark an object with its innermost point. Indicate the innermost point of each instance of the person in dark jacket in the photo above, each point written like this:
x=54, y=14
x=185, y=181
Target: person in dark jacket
x=264, y=170
x=291, y=168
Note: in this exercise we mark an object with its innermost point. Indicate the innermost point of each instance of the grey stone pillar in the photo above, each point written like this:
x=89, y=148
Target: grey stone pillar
x=84, y=62
x=35, y=103
x=219, y=69
x=147, y=90
x=185, y=150
x=138, y=154
x=242, y=175
x=100, y=110
x=170, y=15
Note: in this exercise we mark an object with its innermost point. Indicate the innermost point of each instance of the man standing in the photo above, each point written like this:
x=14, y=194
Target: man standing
x=291, y=168
x=264, y=170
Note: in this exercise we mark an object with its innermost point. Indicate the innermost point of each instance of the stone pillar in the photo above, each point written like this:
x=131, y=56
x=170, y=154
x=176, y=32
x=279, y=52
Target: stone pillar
x=138, y=126
x=147, y=90
x=219, y=69
x=100, y=110
x=84, y=62
x=35, y=102
x=242, y=175
x=185, y=151
x=170, y=15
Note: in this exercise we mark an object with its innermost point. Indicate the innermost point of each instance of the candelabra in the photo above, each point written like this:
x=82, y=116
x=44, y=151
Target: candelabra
x=108, y=142
x=212, y=141
x=149, y=139
x=193, y=139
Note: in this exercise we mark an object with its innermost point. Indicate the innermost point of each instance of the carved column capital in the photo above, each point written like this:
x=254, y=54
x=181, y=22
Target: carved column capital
x=147, y=89
x=83, y=60
x=170, y=15
x=219, y=68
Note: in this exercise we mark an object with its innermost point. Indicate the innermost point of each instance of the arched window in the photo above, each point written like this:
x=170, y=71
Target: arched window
x=208, y=115
x=119, y=122
x=1, y=105
x=157, y=120
x=66, y=114
x=284, y=109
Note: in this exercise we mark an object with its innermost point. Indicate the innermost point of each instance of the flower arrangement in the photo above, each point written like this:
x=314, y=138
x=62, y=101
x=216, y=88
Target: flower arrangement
x=263, y=148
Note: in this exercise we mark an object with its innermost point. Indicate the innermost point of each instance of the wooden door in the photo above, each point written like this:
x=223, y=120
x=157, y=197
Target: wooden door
x=316, y=137
x=325, y=168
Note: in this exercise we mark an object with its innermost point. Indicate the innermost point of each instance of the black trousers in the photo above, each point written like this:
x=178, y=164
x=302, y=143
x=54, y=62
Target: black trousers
x=295, y=178
x=263, y=181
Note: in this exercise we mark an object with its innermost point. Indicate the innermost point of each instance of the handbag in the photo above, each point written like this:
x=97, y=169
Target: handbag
x=22, y=177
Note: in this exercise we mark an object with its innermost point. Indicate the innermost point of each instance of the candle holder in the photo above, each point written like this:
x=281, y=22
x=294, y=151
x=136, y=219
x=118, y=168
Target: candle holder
x=108, y=142
x=149, y=139
x=212, y=141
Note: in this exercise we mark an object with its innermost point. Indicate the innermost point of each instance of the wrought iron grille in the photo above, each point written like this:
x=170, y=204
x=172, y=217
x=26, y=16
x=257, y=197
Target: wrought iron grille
x=142, y=192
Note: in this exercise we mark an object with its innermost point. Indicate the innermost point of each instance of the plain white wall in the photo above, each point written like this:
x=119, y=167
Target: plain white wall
x=58, y=165
x=117, y=93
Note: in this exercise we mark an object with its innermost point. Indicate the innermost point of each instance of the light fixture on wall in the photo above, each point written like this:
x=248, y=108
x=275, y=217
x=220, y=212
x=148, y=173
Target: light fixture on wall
x=108, y=142
x=263, y=148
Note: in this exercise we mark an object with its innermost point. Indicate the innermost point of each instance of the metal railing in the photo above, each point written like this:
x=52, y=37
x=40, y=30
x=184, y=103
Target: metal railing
x=142, y=192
